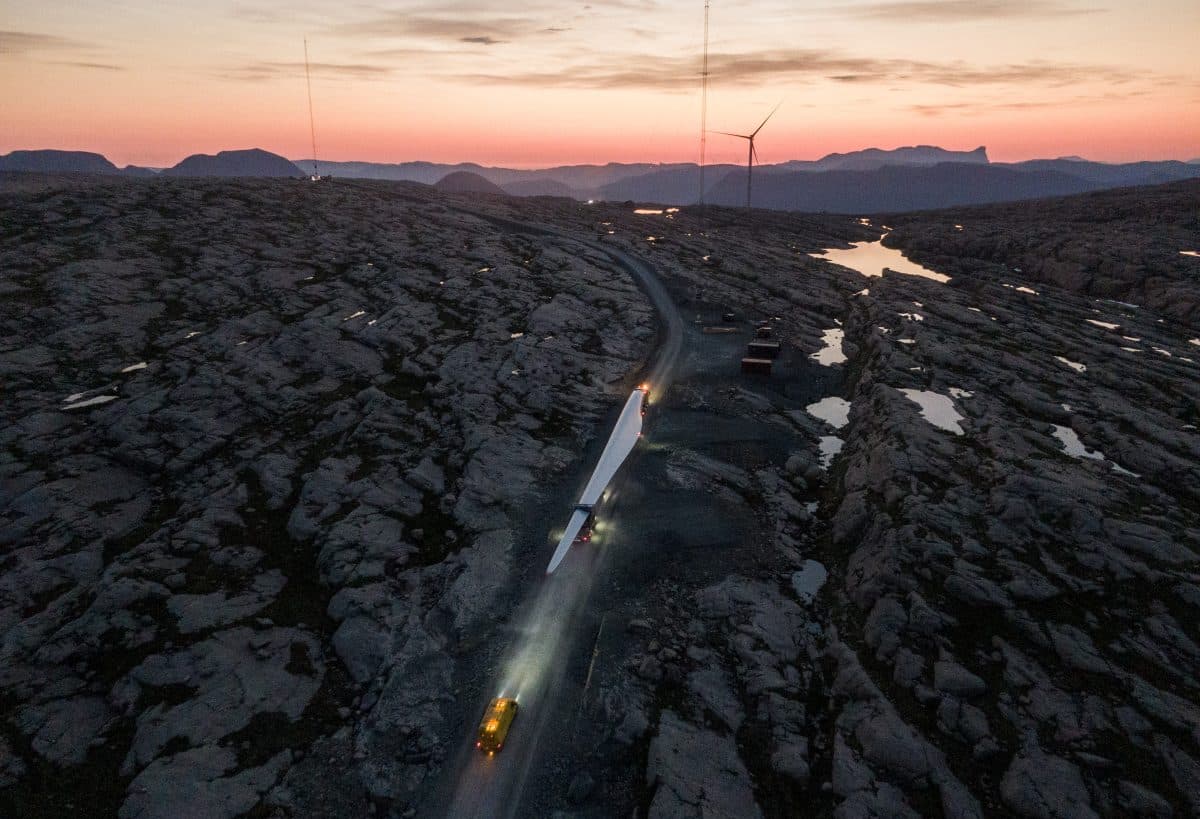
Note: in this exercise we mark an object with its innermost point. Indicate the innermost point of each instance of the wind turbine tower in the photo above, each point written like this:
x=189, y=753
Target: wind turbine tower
x=752, y=154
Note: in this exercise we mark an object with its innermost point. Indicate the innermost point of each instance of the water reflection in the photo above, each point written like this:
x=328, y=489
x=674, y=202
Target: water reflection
x=871, y=258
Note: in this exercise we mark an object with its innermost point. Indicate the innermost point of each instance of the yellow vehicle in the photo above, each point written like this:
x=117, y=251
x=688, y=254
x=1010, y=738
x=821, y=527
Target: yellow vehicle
x=493, y=728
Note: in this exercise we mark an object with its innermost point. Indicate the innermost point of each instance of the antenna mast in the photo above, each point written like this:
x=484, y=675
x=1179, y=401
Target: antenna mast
x=312, y=125
x=704, y=104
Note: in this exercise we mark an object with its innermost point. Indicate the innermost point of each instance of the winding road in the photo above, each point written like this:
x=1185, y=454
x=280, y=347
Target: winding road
x=551, y=614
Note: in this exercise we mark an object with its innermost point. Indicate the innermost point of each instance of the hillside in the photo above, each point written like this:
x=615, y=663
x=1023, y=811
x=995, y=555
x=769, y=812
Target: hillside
x=252, y=162
x=49, y=161
x=467, y=182
x=894, y=188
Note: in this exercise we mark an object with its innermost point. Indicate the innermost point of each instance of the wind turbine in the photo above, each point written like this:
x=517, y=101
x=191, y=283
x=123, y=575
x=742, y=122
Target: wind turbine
x=752, y=154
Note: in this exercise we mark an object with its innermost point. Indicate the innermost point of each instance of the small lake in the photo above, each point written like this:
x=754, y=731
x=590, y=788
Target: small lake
x=937, y=409
x=832, y=352
x=870, y=259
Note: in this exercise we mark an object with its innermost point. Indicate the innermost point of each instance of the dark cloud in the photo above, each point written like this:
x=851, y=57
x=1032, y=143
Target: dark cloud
x=448, y=27
x=257, y=71
x=484, y=40
x=950, y=11
x=22, y=42
x=753, y=68
x=94, y=66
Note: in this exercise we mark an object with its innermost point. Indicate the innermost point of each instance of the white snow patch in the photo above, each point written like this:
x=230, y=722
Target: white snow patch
x=1029, y=290
x=648, y=212
x=1107, y=325
x=937, y=409
x=1195, y=253
x=1167, y=353
x=141, y=365
x=955, y=392
x=832, y=410
x=911, y=316
x=516, y=335
x=975, y=309
x=866, y=291
x=355, y=315
x=906, y=340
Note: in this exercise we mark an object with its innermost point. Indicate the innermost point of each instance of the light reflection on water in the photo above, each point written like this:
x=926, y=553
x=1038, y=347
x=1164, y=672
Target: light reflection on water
x=870, y=259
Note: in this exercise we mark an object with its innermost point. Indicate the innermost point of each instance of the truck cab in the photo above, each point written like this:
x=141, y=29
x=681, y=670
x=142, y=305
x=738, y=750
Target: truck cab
x=585, y=531
x=493, y=728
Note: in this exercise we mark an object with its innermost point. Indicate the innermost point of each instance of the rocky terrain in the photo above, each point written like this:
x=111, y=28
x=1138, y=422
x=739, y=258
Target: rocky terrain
x=1126, y=245
x=266, y=448
x=1005, y=574
x=942, y=562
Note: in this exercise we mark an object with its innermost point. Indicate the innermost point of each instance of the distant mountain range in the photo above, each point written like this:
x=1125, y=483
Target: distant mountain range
x=869, y=181
x=65, y=162
x=253, y=162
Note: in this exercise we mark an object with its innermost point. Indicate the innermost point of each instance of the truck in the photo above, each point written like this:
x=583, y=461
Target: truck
x=585, y=531
x=493, y=728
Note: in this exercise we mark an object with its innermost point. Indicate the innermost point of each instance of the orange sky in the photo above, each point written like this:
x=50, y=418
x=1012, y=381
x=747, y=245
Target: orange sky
x=547, y=82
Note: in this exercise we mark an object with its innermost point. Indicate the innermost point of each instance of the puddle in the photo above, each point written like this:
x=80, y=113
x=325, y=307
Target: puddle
x=958, y=228
x=1021, y=289
x=1073, y=446
x=809, y=580
x=1074, y=365
x=832, y=352
x=830, y=445
x=90, y=402
x=833, y=411
x=648, y=212
x=1107, y=325
x=870, y=259
x=937, y=409
x=1194, y=253
x=141, y=365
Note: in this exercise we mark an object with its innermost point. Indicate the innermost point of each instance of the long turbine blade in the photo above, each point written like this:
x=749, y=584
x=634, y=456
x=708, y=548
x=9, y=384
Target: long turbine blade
x=764, y=122
x=726, y=133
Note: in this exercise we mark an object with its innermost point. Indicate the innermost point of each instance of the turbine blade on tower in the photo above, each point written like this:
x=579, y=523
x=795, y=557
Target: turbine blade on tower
x=764, y=122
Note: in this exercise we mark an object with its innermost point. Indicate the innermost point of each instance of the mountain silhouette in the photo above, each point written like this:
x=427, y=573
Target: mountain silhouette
x=467, y=182
x=252, y=162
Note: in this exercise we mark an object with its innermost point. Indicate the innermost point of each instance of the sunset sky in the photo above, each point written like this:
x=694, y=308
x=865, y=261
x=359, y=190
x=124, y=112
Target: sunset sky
x=545, y=82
